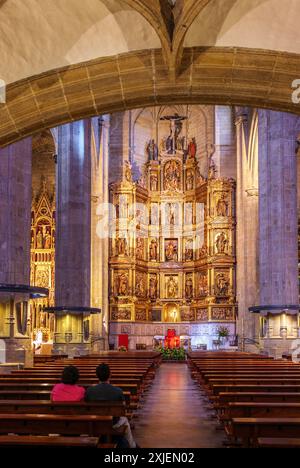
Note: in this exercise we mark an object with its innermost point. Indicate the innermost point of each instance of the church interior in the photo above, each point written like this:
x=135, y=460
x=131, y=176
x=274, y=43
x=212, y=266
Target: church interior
x=149, y=207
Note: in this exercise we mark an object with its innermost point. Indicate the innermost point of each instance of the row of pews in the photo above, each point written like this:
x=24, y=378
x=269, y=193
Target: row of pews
x=256, y=399
x=29, y=418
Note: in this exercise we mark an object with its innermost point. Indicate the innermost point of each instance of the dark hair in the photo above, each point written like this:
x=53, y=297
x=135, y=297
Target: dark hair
x=103, y=372
x=70, y=375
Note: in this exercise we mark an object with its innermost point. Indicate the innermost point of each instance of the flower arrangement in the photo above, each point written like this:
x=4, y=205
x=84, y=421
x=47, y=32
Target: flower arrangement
x=172, y=354
x=223, y=332
x=122, y=349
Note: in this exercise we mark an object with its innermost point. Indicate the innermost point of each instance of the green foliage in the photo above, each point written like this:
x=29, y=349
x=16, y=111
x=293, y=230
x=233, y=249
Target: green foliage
x=223, y=332
x=176, y=354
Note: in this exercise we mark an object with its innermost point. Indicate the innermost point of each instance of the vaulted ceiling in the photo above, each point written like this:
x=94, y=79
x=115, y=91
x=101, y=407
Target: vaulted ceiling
x=69, y=53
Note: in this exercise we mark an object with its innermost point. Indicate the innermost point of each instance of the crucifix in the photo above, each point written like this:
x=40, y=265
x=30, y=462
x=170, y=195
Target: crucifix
x=175, y=130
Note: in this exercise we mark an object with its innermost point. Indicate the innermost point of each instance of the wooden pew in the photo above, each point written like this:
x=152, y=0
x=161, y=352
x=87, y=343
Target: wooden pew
x=11, y=441
x=249, y=430
x=105, y=408
x=278, y=443
x=44, y=424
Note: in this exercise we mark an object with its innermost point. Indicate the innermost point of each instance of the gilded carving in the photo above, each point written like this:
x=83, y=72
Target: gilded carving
x=171, y=250
x=121, y=314
x=172, y=287
x=172, y=176
x=202, y=315
x=221, y=243
x=141, y=315
x=222, y=284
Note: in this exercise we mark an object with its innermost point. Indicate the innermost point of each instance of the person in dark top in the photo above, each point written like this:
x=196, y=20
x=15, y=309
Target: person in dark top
x=104, y=391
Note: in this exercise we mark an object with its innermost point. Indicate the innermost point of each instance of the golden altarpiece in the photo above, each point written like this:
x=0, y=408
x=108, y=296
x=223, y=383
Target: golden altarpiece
x=43, y=262
x=172, y=257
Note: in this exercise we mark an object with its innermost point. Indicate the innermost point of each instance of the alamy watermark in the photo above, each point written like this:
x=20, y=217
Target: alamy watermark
x=166, y=219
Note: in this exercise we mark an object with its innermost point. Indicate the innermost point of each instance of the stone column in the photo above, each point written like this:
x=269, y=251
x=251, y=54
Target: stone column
x=15, y=215
x=73, y=235
x=225, y=144
x=100, y=245
x=247, y=227
x=278, y=223
x=73, y=238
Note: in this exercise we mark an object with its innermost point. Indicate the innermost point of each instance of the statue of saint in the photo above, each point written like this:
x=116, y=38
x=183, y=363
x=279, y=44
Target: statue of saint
x=153, y=288
x=153, y=183
x=39, y=240
x=189, y=250
x=203, y=284
x=123, y=285
x=140, y=286
x=153, y=250
x=172, y=288
x=121, y=246
x=47, y=244
x=189, y=288
x=222, y=284
x=221, y=243
x=172, y=176
x=189, y=180
x=152, y=151
x=222, y=206
x=140, y=248
x=192, y=149
x=171, y=251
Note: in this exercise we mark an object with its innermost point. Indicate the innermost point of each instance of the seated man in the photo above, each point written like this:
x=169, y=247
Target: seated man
x=106, y=392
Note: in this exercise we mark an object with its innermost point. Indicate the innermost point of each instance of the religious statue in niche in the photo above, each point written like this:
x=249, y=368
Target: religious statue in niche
x=221, y=243
x=188, y=213
x=47, y=240
x=122, y=284
x=203, y=252
x=140, y=248
x=171, y=214
x=153, y=287
x=171, y=250
x=152, y=151
x=202, y=284
x=222, y=284
x=123, y=206
x=122, y=246
x=140, y=289
x=189, y=288
x=32, y=244
x=172, y=176
x=190, y=180
x=222, y=206
x=154, y=214
x=153, y=251
x=172, y=287
x=128, y=172
x=153, y=182
x=192, y=149
x=189, y=251
x=39, y=239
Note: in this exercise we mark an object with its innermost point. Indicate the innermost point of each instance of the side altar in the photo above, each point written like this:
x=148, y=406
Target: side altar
x=172, y=250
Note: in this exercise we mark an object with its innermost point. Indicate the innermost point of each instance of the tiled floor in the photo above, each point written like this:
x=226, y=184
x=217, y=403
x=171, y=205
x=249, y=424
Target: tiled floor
x=175, y=413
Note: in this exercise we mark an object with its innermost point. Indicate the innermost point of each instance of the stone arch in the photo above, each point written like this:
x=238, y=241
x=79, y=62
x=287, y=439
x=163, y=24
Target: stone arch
x=225, y=76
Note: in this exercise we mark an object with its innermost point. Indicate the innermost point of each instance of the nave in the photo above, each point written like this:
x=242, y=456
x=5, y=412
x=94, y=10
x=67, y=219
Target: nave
x=176, y=414
x=213, y=400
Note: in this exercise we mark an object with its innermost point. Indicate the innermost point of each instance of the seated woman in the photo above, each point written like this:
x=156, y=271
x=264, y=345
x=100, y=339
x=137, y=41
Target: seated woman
x=67, y=390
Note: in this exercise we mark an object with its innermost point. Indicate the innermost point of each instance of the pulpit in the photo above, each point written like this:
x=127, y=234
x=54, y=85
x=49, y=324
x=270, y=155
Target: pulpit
x=171, y=340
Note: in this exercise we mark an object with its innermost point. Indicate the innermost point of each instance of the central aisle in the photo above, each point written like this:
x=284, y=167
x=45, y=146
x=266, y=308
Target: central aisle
x=175, y=414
